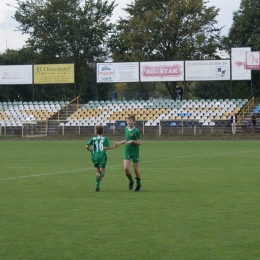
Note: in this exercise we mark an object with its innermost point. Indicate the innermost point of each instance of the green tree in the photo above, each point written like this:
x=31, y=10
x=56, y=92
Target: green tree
x=245, y=32
x=211, y=90
x=64, y=31
x=166, y=30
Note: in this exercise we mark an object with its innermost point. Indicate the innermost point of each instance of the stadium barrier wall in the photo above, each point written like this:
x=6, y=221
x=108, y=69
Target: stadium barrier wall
x=52, y=128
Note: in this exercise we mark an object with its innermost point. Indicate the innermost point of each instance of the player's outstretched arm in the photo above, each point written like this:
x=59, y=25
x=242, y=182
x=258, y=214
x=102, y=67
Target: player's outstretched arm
x=111, y=147
x=119, y=143
x=88, y=148
x=114, y=146
x=136, y=142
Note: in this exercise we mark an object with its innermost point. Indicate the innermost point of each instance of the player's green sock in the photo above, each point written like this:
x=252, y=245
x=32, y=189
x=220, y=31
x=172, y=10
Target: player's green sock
x=130, y=178
x=138, y=181
x=97, y=182
x=103, y=174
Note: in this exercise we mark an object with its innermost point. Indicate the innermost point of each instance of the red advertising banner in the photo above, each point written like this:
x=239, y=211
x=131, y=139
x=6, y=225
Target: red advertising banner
x=253, y=60
x=162, y=71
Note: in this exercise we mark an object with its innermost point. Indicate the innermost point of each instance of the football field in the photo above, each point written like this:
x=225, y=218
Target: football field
x=199, y=200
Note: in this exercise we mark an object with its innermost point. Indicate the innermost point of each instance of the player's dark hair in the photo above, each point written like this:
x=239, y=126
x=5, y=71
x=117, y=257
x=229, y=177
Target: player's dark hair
x=131, y=117
x=100, y=130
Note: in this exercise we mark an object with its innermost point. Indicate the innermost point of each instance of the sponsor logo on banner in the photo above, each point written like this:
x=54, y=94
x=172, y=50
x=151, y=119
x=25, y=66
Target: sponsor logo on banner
x=12, y=75
x=253, y=60
x=238, y=58
x=162, y=71
x=106, y=73
x=222, y=72
x=240, y=64
x=118, y=72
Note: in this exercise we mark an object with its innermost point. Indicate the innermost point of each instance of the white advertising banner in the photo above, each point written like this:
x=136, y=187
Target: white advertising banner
x=15, y=74
x=207, y=70
x=162, y=71
x=238, y=58
x=253, y=60
x=118, y=72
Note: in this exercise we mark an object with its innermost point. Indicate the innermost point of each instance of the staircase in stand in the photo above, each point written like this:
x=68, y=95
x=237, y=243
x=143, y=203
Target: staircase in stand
x=60, y=117
x=244, y=125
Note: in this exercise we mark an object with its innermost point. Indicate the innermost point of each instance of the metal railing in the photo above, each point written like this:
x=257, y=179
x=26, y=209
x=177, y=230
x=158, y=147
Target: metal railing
x=52, y=128
x=245, y=109
x=65, y=108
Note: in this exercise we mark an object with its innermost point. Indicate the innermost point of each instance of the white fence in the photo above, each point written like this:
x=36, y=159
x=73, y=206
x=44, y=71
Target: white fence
x=162, y=128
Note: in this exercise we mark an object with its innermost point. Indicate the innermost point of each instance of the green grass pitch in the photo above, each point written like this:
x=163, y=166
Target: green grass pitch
x=200, y=200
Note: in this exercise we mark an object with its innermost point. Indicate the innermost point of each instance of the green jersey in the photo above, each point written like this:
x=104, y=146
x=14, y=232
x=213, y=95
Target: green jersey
x=98, y=143
x=132, y=134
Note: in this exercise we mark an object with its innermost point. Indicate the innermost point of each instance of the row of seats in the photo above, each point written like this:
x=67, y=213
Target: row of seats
x=162, y=104
x=34, y=103
x=166, y=101
x=257, y=109
x=148, y=123
x=31, y=106
x=180, y=123
x=82, y=113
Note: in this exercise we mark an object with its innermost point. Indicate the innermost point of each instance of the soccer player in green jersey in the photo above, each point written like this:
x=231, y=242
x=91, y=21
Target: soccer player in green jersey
x=99, y=145
x=132, y=143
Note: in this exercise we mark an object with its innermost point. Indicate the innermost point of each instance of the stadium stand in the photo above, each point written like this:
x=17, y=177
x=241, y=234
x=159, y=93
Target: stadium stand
x=16, y=113
x=154, y=112
x=166, y=113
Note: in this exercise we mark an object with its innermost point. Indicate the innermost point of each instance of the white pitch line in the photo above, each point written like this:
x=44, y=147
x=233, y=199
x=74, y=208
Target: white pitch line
x=120, y=165
x=192, y=168
x=198, y=155
x=19, y=167
x=44, y=174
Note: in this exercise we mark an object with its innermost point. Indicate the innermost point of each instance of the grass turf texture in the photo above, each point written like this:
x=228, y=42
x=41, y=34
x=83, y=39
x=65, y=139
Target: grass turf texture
x=200, y=200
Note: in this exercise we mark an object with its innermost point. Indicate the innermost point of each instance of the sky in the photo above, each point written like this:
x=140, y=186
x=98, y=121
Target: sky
x=13, y=39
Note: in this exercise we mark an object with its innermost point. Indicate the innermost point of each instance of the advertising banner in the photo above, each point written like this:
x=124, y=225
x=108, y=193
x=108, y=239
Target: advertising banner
x=253, y=60
x=162, y=71
x=207, y=70
x=118, y=72
x=238, y=64
x=53, y=73
x=15, y=74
